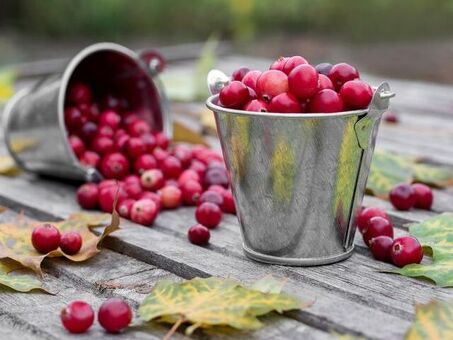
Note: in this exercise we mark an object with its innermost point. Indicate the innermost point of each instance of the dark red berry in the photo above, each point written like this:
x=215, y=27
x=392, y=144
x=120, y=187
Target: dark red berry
x=114, y=315
x=77, y=317
x=198, y=167
x=102, y=145
x=88, y=196
x=390, y=117
x=133, y=190
x=138, y=128
x=171, y=167
x=191, y=191
x=107, y=183
x=403, y=197
x=144, y=162
x=110, y=118
x=162, y=140
x=406, y=250
x=256, y=105
x=292, y=62
x=184, y=154
x=239, y=73
x=114, y=165
x=77, y=145
x=217, y=176
x=217, y=188
x=135, y=147
x=279, y=64
x=377, y=226
x=234, y=95
x=110, y=102
x=356, y=94
x=212, y=197
x=106, y=131
x=199, y=235
x=88, y=131
x=285, y=103
x=124, y=208
x=324, y=68
x=45, y=238
x=107, y=197
x=144, y=211
x=341, y=73
x=423, y=196
x=171, y=197
x=228, y=205
x=303, y=81
x=121, y=143
x=324, y=83
x=250, y=79
x=367, y=213
x=71, y=242
x=79, y=93
x=73, y=118
x=150, y=142
x=381, y=248
x=270, y=84
x=208, y=214
x=325, y=101
x=188, y=174
x=152, y=179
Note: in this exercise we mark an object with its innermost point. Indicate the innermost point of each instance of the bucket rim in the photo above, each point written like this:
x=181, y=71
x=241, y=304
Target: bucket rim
x=210, y=103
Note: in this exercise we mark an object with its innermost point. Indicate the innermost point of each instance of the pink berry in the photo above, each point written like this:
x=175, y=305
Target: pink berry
x=303, y=81
x=150, y=142
x=79, y=93
x=381, y=248
x=212, y=197
x=131, y=179
x=279, y=64
x=256, y=105
x=356, y=94
x=377, y=226
x=285, y=103
x=208, y=214
x=199, y=235
x=293, y=62
x=217, y=188
x=152, y=179
x=114, y=315
x=270, y=84
x=228, y=206
x=217, y=176
x=88, y=196
x=88, y=131
x=144, y=162
x=234, y=95
x=198, y=167
x=239, y=73
x=325, y=101
x=102, y=145
x=135, y=147
x=71, y=242
x=121, y=143
x=171, y=167
x=133, y=190
x=184, y=154
x=107, y=197
x=77, y=145
x=250, y=79
x=403, y=197
x=171, y=197
x=162, y=140
x=144, y=211
x=138, y=128
x=406, y=250
x=114, y=165
x=191, y=191
x=171, y=182
x=107, y=183
x=188, y=174
x=110, y=118
x=423, y=196
x=124, y=208
x=106, y=131
x=390, y=117
x=153, y=197
x=73, y=118
x=129, y=118
x=341, y=73
x=366, y=214
x=324, y=83
x=77, y=317
x=45, y=238
x=90, y=159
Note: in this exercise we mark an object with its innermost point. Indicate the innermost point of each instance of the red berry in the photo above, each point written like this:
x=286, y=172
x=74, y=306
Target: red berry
x=250, y=79
x=212, y=197
x=71, y=242
x=88, y=131
x=423, y=196
x=138, y=128
x=366, y=214
x=129, y=118
x=381, y=248
x=324, y=83
x=325, y=101
x=406, y=250
x=198, y=167
x=102, y=145
x=341, y=73
x=124, y=208
x=292, y=62
x=110, y=102
x=114, y=165
x=150, y=142
x=153, y=197
x=162, y=140
x=77, y=145
x=90, y=159
x=279, y=64
x=107, y=183
x=199, y=235
x=107, y=197
x=171, y=167
x=45, y=238
x=131, y=179
x=77, y=317
x=208, y=214
x=303, y=81
x=217, y=176
x=144, y=211
x=106, y=131
x=114, y=315
x=88, y=196
x=172, y=182
x=228, y=205
x=110, y=118
x=403, y=197
x=188, y=174
x=73, y=118
x=240, y=73
x=90, y=111
x=356, y=94
x=234, y=95
x=191, y=191
x=285, y=103
x=324, y=68
x=217, y=188
x=133, y=190
x=144, y=162
x=121, y=143
x=390, y=117
x=171, y=197
x=184, y=154
x=256, y=105
x=79, y=93
x=135, y=147
x=377, y=226
x=152, y=179
x=270, y=84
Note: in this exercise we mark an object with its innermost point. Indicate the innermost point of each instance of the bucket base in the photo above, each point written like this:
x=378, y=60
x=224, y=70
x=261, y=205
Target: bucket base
x=293, y=261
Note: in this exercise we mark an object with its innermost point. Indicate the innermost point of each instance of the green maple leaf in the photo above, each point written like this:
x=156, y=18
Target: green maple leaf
x=15, y=276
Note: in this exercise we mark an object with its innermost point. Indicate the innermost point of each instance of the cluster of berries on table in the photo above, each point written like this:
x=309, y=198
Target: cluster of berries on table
x=377, y=232
x=406, y=196
x=292, y=85
x=46, y=238
x=114, y=315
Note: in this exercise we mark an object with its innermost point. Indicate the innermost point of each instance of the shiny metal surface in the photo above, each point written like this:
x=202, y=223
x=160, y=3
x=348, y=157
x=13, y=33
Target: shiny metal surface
x=37, y=114
x=298, y=179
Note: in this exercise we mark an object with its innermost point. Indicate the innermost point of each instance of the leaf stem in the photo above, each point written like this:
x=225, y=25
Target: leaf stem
x=174, y=328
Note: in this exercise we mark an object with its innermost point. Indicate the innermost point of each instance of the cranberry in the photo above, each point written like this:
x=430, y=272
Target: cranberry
x=129, y=118
x=390, y=117
x=285, y=103
x=356, y=94
x=279, y=64
x=152, y=179
x=119, y=133
x=107, y=183
x=423, y=196
x=191, y=191
x=114, y=315
x=406, y=250
x=79, y=93
x=324, y=68
x=217, y=188
x=271, y=83
x=256, y=105
x=324, y=83
x=403, y=197
x=77, y=317
x=292, y=62
x=121, y=143
x=90, y=111
x=228, y=205
x=212, y=197
x=171, y=182
x=188, y=174
x=377, y=226
x=250, y=79
x=240, y=73
x=132, y=179
x=107, y=197
x=234, y=95
x=135, y=147
x=366, y=214
x=124, y=208
x=216, y=176
x=77, y=145
x=138, y=128
x=110, y=118
x=341, y=73
x=171, y=197
x=381, y=248
x=199, y=235
x=133, y=190
x=110, y=102
x=184, y=154
x=90, y=159
x=150, y=142
x=162, y=140
x=325, y=101
x=144, y=162
x=199, y=167
x=106, y=131
x=88, y=131
x=303, y=81
x=208, y=214
x=45, y=238
x=144, y=211
x=102, y=145
x=114, y=165
x=171, y=167
x=71, y=242
x=153, y=197
x=88, y=196
x=73, y=118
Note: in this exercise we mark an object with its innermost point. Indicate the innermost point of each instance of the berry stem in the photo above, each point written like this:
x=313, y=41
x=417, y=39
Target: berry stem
x=173, y=329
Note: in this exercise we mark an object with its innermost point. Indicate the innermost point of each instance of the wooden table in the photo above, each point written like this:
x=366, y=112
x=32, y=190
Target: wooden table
x=351, y=297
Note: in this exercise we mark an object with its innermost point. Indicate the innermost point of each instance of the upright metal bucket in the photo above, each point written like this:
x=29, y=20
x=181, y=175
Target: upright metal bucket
x=299, y=179
x=36, y=114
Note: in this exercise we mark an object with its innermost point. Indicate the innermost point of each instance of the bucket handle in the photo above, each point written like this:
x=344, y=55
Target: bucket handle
x=153, y=61
x=216, y=81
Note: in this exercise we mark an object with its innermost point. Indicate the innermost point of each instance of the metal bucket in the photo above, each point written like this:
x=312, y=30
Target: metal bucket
x=36, y=114
x=298, y=179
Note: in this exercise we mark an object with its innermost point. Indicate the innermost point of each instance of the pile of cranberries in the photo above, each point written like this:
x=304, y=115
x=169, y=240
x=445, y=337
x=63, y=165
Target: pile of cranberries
x=377, y=232
x=292, y=85
x=114, y=315
x=407, y=196
x=46, y=238
x=141, y=166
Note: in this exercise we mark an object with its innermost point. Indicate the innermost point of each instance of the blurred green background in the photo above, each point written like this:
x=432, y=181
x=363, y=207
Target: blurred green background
x=388, y=37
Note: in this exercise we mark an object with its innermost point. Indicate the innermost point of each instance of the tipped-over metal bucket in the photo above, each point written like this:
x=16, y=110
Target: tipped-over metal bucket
x=36, y=114
x=299, y=179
